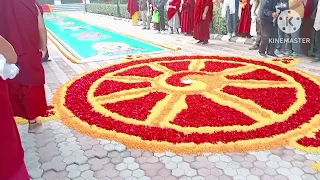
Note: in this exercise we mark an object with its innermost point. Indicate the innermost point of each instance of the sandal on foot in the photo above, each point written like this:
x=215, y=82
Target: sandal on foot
x=34, y=127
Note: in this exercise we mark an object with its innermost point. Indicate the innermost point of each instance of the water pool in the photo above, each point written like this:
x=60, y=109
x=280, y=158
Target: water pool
x=92, y=43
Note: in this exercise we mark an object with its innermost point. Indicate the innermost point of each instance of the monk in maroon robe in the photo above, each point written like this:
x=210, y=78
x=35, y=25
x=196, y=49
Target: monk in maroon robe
x=187, y=17
x=245, y=20
x=133, y=9
x=174, y=15
x=23, y=27
x=11, y=152
x=203, y=13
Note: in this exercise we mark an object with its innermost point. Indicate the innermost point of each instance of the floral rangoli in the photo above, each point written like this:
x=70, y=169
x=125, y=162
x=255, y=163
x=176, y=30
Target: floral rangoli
x=195, y=104
x=109, y=48
x=91, y=36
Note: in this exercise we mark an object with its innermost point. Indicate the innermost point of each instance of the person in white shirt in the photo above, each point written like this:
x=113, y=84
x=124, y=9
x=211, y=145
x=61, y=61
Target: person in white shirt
x=317, y=28
x=256, y=10
x=230, y=12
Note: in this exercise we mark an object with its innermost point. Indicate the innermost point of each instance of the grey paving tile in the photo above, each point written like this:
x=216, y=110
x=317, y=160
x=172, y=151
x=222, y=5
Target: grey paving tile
x=113, y=173
x=55, y=175
x=74, y=173
x=136, y=153
x=117, y=160
x=48, y=151
x=100, y=174
x=97, y=164
x=87, y=174
x=35, y=173
x=84, y=167
x=56, y=164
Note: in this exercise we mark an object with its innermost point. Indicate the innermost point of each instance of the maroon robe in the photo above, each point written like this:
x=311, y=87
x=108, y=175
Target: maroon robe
x=308, y=9
x=11, y=152
x=187, y=17
x=132, y=6
x=202, y=27
x=173, y=11
x=245, y=20
x=19, y=21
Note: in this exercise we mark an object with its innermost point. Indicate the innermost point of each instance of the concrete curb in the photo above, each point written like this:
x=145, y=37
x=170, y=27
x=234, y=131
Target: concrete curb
x=242, y=40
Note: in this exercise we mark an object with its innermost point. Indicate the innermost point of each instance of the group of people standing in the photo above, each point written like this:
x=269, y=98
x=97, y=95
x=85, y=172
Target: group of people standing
x=286, y=44
x=23, y=41
x=259, y=19
x=193, y=17
x=249, y=18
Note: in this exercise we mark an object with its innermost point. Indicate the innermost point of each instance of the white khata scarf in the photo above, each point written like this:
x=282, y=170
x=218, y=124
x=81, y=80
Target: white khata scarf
x=317, y=20
x=7, y=71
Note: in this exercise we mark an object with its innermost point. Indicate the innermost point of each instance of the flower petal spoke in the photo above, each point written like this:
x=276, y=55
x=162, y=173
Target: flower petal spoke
x=128, y=78
x=170, y=107
x=245, y=106
x=259, y=83
x=196, y=65
x=237, y=70
x=124, y=95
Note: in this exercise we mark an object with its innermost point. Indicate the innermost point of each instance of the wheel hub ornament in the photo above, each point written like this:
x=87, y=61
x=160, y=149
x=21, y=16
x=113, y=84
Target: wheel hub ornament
x=193, y=104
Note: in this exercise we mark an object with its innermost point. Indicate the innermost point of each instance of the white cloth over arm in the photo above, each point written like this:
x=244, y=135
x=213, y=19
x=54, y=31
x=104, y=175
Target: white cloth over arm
x=7, y=71
x=253, y=27
x=232, y=6
x=317, y=20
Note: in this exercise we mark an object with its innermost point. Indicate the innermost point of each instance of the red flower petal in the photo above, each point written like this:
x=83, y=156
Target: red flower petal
x=202, y=111
x=138, y=108
x=177, y=66
x=310, y=142
x=143, y=71
x=276, y=99
x=211, y=66
x=109, y=86
x=259, y=74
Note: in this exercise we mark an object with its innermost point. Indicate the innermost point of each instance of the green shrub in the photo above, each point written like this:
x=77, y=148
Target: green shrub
x=218, y=24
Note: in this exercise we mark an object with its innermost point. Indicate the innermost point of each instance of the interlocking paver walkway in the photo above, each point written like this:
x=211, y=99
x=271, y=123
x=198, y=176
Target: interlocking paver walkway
x=60, y=153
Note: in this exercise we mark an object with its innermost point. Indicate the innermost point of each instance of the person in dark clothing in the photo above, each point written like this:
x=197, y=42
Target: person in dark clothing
x=146, y=12
x=46, y=57
x=159, y=6
x=269, y=28
x=258, y=8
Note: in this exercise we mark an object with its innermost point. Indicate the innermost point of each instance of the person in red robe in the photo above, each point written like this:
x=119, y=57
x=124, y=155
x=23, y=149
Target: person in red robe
x=133, y=9
x=203, y=13
x=23, y=27
x=187, y=17
x=174, y=15
x=11, y=152
x=245, y=19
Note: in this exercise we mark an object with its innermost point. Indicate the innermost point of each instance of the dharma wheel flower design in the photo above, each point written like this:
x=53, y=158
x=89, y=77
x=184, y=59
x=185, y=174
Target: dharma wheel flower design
x=193, y=104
